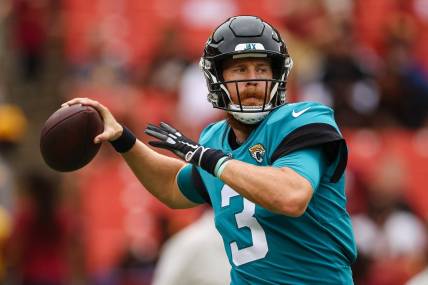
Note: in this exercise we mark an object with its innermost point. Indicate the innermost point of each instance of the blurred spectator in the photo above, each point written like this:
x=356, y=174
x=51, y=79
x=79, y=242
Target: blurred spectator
x=194, y=256
x=135, y=269
x=43, y=245
x=391, y=240
x=374, y=18
x=169, y=62
x=30, y=29
x=7, y=184
x=102, y=67
x=356, y=190
x=403, y=82
x=330, y=69
x=306, y=29
x=345, y=81
x=306, y=20
x=160, y=82
x=193, y=96
x=13, y=125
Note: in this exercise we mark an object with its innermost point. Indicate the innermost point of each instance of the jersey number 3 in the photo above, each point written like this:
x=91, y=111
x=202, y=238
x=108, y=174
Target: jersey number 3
x=246, y=218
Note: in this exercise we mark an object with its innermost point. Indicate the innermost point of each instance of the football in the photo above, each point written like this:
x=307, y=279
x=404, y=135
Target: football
x=67, y=137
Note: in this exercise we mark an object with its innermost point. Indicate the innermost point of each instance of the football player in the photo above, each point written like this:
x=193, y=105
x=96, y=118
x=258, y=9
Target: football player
x=273, y=171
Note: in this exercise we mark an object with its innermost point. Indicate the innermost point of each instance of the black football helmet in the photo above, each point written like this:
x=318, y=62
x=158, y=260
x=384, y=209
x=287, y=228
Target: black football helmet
x=245, y=37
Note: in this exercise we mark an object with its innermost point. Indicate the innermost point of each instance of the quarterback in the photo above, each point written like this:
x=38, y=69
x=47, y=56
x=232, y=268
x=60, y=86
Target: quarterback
x=272, y=171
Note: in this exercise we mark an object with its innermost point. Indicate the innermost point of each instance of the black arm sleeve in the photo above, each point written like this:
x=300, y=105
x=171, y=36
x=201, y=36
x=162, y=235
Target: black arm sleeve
x=324, y=135
x=199, y=185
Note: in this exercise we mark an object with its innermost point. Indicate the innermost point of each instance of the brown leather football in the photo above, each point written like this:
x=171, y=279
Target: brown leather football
x=67, y=137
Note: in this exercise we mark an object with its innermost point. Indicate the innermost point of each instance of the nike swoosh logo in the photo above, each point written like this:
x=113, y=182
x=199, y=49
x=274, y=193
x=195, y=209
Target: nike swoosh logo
x=297, y=114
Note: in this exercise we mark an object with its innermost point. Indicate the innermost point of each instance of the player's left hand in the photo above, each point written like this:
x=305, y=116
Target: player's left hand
x=171, y=139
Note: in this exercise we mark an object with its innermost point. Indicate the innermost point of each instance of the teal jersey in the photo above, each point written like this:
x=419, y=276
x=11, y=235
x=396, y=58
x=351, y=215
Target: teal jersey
x=269, y=248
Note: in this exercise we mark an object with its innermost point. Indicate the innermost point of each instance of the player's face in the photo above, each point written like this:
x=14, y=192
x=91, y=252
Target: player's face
x=251, y=93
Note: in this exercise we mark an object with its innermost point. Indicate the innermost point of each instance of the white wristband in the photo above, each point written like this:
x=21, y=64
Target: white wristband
x=221, y=168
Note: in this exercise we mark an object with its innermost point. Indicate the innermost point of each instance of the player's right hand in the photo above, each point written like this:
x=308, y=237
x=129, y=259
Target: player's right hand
x=112, y=129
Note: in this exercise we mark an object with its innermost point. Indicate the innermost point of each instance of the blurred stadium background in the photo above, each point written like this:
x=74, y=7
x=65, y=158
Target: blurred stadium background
x=367, y=59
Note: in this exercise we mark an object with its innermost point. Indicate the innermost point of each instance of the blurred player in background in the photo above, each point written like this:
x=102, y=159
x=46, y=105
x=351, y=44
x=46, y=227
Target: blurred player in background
x=273, y=172
x=194, y=256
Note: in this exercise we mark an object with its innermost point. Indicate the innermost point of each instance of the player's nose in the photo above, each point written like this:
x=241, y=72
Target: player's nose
x=252, y=74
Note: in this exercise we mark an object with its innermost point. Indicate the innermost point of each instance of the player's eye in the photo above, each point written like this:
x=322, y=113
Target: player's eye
x=262, y=69
x=240, y=69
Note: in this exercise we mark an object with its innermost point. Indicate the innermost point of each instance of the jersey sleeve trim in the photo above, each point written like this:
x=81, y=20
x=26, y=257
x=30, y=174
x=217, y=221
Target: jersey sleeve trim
x=315, y=134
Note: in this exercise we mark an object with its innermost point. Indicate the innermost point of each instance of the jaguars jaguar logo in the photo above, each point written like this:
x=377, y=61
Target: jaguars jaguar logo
x=257, y=152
